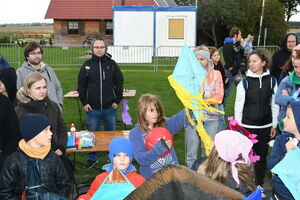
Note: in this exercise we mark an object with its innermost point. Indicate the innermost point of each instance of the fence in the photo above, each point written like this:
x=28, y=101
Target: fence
x=164, y=56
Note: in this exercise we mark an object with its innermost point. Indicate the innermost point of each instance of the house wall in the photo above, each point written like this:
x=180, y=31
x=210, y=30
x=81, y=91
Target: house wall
x=147, y=25
x=162, y=20
x=86, y=28
x=133, y=28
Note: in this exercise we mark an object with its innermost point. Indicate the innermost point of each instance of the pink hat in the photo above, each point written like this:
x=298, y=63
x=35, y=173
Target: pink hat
x=296, y=48
x=229, y=145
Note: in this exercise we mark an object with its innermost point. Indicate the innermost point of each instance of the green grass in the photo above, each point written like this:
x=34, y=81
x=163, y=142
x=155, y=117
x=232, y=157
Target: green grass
x=144, y=81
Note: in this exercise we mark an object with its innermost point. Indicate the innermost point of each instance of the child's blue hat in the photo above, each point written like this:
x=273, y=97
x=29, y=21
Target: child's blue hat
x=118, y=145
x=32, y=124
x=295, y=104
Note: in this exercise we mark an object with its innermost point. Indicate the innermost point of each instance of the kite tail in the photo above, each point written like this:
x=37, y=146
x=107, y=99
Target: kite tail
x=197, y=104
x=207, y=141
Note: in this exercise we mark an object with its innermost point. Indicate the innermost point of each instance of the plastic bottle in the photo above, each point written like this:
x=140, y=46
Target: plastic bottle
x=73, y=129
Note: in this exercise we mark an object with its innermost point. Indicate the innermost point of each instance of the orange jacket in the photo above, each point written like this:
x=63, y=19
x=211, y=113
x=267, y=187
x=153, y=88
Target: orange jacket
x=133, y=177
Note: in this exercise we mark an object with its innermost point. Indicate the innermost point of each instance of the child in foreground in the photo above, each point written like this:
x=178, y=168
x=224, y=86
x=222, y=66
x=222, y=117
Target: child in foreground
x=120, y=156
x=283, y=144
x=229, y=163
x=34, y=151
x=150, y=115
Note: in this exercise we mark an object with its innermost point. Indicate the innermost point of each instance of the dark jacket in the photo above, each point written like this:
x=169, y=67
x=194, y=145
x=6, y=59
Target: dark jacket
x=279, y=58
x=257, y=99
x=254, y=104
x=100, y=90
x=9, y=129
x=8, y=77
x=51, y=110
x=277, y=154
x=233, y=54
x=3, y=63
x=13, y=178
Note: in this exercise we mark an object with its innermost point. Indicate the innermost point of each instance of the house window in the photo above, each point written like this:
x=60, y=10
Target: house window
x=176, y=28
x=108, y=27
x=73, y=27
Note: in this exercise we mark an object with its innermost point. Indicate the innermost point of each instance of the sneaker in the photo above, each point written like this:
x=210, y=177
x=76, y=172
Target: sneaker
x=90, y=163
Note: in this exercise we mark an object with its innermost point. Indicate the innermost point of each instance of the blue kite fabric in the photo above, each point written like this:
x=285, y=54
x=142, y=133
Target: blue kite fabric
x=256, y=195
x=187, y=80
x=288, y=171
x=113, y=189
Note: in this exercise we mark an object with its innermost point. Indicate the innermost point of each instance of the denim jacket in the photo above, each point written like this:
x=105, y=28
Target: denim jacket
x=282, y=100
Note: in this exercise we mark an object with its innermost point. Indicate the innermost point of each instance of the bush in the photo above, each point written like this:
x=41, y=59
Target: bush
x=43, y=42
x=22, y=43
x=4, y=40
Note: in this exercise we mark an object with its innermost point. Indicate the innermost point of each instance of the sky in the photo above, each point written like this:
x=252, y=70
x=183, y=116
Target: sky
x=30, y=11
x=23, y=11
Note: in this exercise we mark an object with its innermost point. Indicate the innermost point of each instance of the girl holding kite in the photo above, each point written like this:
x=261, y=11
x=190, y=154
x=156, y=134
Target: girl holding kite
x=213, y=92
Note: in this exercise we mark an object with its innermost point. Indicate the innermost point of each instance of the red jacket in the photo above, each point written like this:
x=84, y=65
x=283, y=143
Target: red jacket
x=133, y=177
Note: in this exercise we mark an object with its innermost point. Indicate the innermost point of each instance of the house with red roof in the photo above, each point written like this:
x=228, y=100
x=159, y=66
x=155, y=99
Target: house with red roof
x=76, y=20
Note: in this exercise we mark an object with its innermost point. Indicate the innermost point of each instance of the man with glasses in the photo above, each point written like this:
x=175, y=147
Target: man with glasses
x=33, y=53
x=100, y=88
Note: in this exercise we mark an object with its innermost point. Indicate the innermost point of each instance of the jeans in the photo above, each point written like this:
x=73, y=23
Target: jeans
x=231, y=80
x=94, y=118
x=192, y=140
x=221, y=122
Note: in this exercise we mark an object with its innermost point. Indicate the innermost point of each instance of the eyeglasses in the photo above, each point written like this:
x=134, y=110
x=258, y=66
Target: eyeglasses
x=35, y=53
x=97, y=47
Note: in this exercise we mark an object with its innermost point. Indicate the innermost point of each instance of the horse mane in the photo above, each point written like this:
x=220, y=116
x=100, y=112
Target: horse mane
x=178, y=173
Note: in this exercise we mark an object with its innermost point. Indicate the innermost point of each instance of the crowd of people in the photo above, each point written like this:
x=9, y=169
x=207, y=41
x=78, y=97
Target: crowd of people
x=34, y=135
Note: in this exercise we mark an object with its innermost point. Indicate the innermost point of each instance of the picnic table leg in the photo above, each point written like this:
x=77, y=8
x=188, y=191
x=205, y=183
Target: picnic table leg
x=81, y=125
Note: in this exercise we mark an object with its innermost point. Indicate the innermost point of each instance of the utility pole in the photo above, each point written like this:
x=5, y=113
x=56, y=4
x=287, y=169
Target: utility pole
x=261, y=20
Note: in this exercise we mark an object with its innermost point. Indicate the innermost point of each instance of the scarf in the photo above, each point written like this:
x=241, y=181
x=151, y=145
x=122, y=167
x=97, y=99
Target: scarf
x=39, y=152
x=294, y=78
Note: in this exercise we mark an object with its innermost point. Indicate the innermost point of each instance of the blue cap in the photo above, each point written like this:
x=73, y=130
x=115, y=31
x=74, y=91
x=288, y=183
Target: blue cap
x=118, y=145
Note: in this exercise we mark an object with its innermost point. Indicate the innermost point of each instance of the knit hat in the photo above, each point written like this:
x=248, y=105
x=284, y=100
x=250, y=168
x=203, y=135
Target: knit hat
x=32, y=124
x=9, y=78
x=118, y=145
x=229, y=145
x=295, y=104
x=204, y=54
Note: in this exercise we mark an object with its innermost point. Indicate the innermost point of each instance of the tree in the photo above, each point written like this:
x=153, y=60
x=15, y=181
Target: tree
x=185, y=2
x=290, y=7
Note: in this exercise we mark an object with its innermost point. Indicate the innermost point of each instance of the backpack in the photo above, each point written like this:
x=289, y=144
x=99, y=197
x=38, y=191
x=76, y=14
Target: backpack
x=273, y=83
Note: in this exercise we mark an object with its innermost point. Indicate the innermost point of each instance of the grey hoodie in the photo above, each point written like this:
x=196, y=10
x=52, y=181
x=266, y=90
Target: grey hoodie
x=54, y=87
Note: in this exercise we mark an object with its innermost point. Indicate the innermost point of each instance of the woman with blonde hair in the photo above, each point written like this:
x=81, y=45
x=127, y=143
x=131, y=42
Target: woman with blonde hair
x=229, y=163
x=33, y=98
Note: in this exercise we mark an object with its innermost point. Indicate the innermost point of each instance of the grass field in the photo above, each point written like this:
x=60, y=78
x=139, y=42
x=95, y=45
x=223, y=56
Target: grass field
x=12, y=31
x=144, y=81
